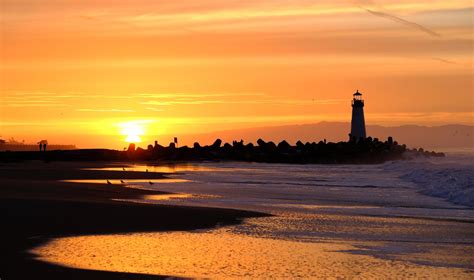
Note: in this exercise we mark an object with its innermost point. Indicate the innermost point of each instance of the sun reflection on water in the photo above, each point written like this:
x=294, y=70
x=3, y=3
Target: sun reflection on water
x=222, y=254
x=163, y=168
x=127, y=181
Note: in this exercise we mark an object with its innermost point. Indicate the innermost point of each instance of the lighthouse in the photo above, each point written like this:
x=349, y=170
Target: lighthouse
x=358, y=121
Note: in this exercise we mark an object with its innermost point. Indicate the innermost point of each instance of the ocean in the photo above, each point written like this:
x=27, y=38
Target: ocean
x=400, y=219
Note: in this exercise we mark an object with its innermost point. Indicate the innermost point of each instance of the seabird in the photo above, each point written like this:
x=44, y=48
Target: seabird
x=108, y=182
x=147, y=170
x=121, y=181
x=150, y=182
x=123, y=168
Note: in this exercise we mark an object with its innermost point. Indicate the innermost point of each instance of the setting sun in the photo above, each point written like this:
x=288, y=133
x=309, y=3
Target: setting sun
x=132, y=131
x=237, y=139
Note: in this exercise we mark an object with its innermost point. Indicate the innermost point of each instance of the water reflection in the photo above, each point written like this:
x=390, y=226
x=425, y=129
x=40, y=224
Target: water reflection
x=169, y=168
x=222, y=254
x=126, y=181
x=172, y=197
x=383, y=221
x=177, y=196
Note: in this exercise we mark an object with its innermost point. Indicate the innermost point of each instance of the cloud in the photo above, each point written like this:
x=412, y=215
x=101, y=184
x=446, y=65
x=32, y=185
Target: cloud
x=105, y=110
x=444, y=60
x=190, y=102
x=195, y=95
x=410, y=24
x=36, y=105
x=24, y=102
x=154, y=109
x=267, y=101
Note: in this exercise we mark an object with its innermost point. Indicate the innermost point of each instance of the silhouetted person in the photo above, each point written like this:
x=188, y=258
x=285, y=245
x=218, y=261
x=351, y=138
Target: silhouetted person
x=44, y=147
x=41, y=146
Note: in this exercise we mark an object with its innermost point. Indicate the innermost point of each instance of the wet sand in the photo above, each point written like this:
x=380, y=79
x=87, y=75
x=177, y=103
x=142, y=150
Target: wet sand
x=36, y=206
x=223, y=254
x=330, y=221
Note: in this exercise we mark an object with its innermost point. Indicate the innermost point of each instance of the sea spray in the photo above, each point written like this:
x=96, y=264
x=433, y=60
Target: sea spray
x=451, y=178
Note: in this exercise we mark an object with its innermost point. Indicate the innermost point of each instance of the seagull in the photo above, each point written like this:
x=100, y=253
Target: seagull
x=123, y=168
x=147, y=170
x=150, y=182
x=121, y=181
x=108, y=182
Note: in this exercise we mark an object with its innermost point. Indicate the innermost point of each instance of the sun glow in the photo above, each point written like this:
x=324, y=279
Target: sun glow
x=133, y=131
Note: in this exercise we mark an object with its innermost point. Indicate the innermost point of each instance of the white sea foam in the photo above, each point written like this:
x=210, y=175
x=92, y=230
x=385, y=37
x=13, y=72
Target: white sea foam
x=451, y=178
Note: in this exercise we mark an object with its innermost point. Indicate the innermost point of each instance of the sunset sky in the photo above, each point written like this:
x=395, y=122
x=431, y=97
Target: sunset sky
x=88, y=72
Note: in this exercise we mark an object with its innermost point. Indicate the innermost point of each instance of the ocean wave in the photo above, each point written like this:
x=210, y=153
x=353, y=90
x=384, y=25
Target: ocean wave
x=451, y=178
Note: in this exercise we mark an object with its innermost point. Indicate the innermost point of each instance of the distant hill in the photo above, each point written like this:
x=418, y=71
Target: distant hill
x=445, y=136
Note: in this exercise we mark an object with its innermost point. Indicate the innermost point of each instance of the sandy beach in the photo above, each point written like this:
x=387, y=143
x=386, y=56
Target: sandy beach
x=36, y=206
x=116, y=220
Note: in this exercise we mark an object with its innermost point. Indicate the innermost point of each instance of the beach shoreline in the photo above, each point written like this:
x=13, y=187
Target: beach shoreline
x=36, y=206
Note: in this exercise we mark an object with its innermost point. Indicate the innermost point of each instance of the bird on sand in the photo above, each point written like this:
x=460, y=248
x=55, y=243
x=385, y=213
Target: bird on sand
x=147, y=170
x=123, y=168
x=109, y=183
x=150, y=182
x=121, y=181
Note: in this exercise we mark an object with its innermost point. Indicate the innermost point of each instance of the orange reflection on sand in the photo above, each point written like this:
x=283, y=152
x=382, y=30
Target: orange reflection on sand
x=168, y=168
x=151, y=199
x=126, y=181
x=173, y=196
x=168, y=196
x=221, y=254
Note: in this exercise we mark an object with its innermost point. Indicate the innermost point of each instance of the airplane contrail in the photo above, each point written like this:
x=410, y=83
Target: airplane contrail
x=403, y=21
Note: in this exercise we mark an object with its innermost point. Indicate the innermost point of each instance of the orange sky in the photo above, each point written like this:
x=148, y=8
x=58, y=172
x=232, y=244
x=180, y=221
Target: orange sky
x=78, y=71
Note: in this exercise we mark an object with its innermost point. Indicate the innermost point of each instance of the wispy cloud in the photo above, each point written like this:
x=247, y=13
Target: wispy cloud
x=24, y=102
x=105, y=110
x=195, y=95
x=189, y=102
x=267, y=101
x=154, y=109
x=19, y=105
x=444, y=60
x=405, y=22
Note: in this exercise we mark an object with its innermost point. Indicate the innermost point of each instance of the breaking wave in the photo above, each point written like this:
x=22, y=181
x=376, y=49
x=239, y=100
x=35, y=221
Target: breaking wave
x=451, y=178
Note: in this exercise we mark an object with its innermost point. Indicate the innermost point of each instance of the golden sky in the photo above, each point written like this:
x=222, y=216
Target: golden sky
x=81, y=72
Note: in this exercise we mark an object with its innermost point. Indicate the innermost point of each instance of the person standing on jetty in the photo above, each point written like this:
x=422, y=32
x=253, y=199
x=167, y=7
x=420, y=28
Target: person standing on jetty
x=42, y=145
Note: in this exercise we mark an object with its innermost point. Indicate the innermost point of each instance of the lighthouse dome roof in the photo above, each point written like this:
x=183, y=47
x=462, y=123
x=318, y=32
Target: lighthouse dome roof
x=357, y=93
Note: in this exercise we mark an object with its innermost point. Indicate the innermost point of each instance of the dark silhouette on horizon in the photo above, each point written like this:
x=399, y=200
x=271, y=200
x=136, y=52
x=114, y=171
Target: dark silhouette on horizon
x=359, y=149
x=42, y=145
x=358, y=120
x=363, y=150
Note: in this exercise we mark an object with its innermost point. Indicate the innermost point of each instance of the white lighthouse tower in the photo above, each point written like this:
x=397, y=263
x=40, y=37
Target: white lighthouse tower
x=358, y=121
